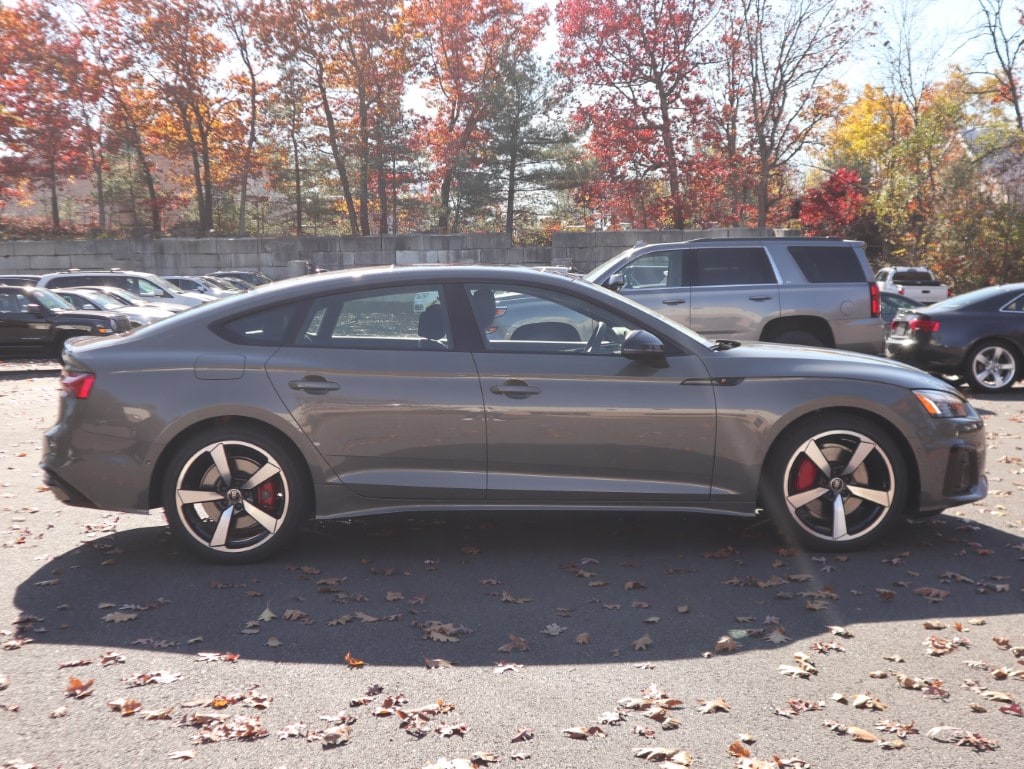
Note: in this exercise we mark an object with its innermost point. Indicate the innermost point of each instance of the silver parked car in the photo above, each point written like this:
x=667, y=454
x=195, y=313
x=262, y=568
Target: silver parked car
x=334, y=395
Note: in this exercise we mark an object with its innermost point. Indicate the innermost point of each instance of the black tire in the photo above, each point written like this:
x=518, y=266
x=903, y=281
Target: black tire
x=992, y=367
x=803, y=338
x=835, y=483
x=235, y=494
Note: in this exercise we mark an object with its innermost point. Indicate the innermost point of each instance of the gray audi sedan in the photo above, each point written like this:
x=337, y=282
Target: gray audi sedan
x=345, y=393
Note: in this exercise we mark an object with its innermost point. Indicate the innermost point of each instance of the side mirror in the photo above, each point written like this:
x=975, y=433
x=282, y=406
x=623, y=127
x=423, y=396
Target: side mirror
x=34, y=308
x=643, y=346
x=615, y=282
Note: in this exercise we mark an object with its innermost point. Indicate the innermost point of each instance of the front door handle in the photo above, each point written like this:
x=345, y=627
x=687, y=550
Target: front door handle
x=760, y=298
x=673, y=301
x=314, y=384
x=515, y=388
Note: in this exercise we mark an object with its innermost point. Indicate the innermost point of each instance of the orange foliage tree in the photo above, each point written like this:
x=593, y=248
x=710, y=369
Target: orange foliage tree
x=45, y=93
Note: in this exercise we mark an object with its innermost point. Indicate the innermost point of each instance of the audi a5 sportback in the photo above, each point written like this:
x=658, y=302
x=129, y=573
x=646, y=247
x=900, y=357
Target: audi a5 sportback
x=341, y=394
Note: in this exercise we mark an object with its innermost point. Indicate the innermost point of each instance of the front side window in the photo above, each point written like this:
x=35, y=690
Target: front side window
x=649, y=271
x=526, y=319
x=267, y=326
x=399, y=318
x=9, y=302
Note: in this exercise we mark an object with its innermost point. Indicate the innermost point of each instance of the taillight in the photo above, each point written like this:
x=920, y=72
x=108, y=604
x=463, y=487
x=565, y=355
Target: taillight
x=876, y=300
x=76, y=384
x=923, y=325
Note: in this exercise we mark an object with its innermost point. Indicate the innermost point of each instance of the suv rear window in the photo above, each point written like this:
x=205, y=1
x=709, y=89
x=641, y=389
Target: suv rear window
x=829, y=264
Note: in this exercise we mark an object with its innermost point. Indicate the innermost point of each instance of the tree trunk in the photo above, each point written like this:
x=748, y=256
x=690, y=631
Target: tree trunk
x=54, y=207
x=336, y=151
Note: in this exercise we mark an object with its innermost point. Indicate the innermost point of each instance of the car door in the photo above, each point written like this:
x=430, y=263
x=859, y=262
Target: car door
x=569, y=419
x=735, y=291
x=382, y=393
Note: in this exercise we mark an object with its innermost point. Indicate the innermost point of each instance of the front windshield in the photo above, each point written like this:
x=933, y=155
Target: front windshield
x=103, y=301
x=50, y=300
x=166, y=285
x=125, y=297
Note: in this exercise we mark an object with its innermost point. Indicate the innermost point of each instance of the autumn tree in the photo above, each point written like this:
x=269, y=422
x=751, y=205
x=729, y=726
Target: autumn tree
x=793, y=50
x=44, y=93
x=240, y=20
x=832, y=208
x=1003, y=28
x=462, y=46
x=126, y=99
x=355, y=56
x=636, y=72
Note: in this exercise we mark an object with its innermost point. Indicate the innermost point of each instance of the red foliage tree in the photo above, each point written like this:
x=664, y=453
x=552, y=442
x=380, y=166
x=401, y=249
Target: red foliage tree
x=833, y=207
x=635, y=67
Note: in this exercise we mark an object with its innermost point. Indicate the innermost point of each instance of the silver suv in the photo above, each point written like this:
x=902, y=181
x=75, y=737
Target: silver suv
x=810, y=291
x=150, y=287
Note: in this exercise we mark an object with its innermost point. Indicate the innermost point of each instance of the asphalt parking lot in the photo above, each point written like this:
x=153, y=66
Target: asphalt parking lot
x=524, y=640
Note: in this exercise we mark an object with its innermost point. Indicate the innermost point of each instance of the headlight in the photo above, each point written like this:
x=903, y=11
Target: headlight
x=939, y=403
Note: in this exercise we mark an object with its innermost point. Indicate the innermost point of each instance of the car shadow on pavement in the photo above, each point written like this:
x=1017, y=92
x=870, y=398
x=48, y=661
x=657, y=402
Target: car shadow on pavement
x=572, y=589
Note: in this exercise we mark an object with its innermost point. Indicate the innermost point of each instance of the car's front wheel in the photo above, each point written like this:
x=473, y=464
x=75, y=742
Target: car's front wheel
x=992, y=367
x=835, y=483
x=234, y=495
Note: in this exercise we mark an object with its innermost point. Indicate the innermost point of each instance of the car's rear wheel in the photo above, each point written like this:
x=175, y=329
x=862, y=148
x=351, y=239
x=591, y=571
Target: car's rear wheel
x=835, y=483
x=234, y=495
x=991, y=367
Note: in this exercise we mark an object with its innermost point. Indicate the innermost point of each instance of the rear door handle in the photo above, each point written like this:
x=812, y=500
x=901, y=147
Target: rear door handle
x=760, y=298
x=515, y=388
x=673, y=301
x=314, y=384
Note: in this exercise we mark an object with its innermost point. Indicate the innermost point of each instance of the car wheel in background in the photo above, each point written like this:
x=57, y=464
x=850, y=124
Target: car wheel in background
x=234, y=495
x=835, y=483
x=991, y=367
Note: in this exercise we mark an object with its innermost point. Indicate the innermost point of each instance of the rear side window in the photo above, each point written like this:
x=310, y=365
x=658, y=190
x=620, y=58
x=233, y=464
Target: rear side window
x=399, y=318
x=829, y=264
x=732, y=267
x=263, y=327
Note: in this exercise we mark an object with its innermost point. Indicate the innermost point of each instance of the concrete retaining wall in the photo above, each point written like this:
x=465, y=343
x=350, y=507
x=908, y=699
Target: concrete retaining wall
x=194, y=256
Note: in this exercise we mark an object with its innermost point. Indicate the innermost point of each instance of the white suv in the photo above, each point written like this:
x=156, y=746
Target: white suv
x=152, y=288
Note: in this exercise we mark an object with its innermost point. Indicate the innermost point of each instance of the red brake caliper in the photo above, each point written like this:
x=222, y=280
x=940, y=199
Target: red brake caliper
x=806, y=475
x=266, y=495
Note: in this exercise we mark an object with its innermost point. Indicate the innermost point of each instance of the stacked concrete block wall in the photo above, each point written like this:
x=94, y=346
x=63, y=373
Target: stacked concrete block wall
x=581, y=251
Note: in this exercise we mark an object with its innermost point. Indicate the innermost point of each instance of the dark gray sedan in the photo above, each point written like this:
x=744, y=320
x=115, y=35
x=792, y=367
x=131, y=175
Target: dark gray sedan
x=978, y=337
x=335, y=395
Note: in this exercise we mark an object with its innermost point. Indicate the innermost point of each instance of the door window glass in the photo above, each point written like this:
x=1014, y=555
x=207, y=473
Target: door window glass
x=526, y=319
x=648, y=271
x=400, y=318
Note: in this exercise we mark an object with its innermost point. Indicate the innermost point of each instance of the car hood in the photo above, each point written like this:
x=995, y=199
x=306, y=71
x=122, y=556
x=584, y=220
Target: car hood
x=791, y=361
